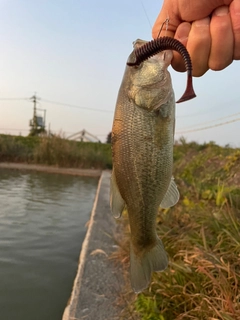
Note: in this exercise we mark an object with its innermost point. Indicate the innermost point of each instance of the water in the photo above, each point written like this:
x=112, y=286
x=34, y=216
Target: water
x=42, y=226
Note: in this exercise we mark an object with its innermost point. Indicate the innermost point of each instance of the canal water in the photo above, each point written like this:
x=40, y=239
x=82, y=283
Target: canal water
x=42, y=226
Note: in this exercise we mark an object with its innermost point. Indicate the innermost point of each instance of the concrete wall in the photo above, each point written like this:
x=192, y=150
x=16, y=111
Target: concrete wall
x=98, y=281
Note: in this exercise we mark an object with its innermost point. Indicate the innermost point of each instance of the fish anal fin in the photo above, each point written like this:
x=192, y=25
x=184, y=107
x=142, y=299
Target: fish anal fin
x=117, y=203
x=171, y=197
x=142, y=266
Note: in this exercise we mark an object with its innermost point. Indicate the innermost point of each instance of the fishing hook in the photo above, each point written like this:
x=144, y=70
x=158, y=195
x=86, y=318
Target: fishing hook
x=165, y=22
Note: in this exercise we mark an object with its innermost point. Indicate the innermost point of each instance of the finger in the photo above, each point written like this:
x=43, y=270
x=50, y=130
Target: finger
x=181, y=35
x=222, y=39
x=169, y=11
x=184, y=10
x=235, y=17
x=159, y=23
x=199, y=46
x=196, y=38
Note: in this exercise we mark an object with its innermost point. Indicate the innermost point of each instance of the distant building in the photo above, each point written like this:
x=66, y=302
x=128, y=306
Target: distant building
x=84, y=136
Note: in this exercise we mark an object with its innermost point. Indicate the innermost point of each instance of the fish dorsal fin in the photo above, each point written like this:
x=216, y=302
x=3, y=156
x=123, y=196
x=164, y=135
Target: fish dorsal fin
x=117, y=203
x=171, y=197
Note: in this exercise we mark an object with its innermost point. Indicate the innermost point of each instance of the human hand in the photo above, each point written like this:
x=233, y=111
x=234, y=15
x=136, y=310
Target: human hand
x=210, y=30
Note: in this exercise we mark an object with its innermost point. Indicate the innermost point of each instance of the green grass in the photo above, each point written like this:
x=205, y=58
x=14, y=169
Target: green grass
x=55, y=151
x=201, y=235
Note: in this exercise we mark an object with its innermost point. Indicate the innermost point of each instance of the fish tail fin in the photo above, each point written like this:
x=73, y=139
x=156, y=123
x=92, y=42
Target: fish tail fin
x=141, y=267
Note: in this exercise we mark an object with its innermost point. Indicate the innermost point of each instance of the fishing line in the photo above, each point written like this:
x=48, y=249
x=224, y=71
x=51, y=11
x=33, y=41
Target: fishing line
x=144, y=9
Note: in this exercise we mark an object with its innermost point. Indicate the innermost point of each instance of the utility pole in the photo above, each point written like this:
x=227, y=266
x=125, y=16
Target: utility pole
x=37, y=126
x=34, y=99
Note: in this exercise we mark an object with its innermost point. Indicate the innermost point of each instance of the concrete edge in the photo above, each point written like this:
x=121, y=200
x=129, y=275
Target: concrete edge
x=51, y=169
x=76, y=287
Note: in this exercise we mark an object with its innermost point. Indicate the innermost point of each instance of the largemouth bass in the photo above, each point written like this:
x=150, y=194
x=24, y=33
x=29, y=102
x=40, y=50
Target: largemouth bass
x=142, y=151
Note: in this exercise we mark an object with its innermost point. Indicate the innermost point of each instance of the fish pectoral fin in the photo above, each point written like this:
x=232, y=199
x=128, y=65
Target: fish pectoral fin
x=171, y=197
x=142, y=266
x=117, y=203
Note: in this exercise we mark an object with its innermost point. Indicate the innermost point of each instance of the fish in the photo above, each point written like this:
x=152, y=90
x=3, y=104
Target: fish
x=142, y=152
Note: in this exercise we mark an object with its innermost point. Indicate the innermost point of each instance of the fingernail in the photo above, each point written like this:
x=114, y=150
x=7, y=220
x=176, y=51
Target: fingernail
x=221, y=11
x=202, y=22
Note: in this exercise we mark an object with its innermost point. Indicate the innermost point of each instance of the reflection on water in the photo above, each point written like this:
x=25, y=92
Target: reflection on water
x=42, y=225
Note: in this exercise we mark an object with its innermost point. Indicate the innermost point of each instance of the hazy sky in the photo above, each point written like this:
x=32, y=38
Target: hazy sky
x=74, y=52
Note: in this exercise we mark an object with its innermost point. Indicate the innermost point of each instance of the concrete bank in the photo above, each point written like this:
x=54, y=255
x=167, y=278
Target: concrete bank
x=98, y=281
x=51, y=169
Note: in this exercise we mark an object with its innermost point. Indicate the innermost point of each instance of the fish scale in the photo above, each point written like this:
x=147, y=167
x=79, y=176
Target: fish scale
x=142, y=150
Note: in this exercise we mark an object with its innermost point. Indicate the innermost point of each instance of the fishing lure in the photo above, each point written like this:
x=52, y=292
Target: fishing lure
x=166, y=43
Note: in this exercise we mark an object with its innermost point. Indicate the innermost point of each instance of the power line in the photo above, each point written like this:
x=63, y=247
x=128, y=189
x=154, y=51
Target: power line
x=108, y=111
x=202, y=112
x=201, y=124
x=6, y=99
x=60, y=103
x=209, y=127
x=178, y=132
x=75, y=106
x=220, y=106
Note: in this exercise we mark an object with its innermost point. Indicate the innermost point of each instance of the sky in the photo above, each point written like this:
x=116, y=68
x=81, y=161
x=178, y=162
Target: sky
x=72, y=55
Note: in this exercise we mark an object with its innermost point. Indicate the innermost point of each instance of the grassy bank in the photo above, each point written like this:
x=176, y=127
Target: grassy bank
x=55, y=151
x=202, y=237
x=201, y=234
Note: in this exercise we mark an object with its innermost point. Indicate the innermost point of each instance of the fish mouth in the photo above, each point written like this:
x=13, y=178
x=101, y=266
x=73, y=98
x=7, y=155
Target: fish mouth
x=165, y=56
x=144, y=50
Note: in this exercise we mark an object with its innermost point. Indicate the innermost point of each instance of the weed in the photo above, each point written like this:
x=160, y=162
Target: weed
x=55, y=150
x=201, y=235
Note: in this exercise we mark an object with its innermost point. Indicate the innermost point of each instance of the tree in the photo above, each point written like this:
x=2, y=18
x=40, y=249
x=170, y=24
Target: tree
x=109, y=137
